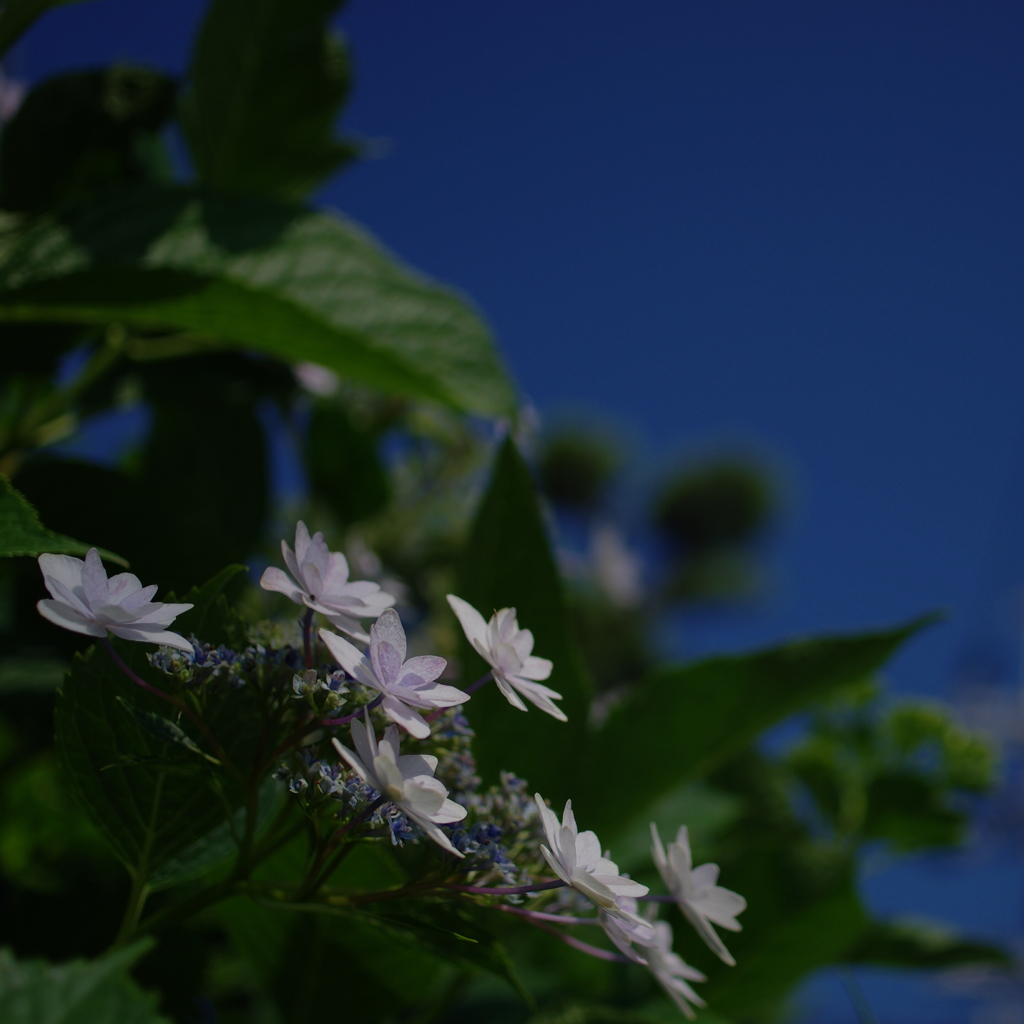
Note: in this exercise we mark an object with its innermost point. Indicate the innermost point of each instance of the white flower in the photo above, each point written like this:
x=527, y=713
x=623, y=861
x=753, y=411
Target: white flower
x=576, y=858
x=694, y=889
x=626, y=926
x=85, y=601
x=506, y=648
x=406, y=685
x=405, y=779
x=319, y=580
x=671, y=970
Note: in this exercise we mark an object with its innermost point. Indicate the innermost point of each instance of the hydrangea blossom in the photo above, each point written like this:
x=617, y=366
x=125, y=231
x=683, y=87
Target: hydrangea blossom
x=319, y=580
x=626, y=927
x=576, y=858
x=699, y=898
x=407, y=780
x=671, y=970
x=506, y=648
x=86, y=601
x=405, y=685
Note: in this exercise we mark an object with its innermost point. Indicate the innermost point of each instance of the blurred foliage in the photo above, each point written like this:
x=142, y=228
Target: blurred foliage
x=197, y=309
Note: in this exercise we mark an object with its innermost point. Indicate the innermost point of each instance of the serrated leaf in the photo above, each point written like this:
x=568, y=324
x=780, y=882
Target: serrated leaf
x=507, y=562
x=266, y=84
x=161, y=728
x=681, y=722
x=21, y=532
x=78, y=992
x=247, y=272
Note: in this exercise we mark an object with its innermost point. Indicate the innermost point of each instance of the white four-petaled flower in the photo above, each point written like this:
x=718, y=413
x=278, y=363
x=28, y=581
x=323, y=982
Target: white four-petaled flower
x=405, y=779
x=406, y=685
x=319, y=580
x=86, y=601
x=577, y=860
x=671, y=970
x=507, y=649
x=699, y=898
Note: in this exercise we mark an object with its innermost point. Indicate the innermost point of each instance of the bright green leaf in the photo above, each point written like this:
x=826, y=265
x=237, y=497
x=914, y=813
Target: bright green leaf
x=240, y=271
x=266, y=85
x=79, y=992
x=508, y=563
x=21, y=532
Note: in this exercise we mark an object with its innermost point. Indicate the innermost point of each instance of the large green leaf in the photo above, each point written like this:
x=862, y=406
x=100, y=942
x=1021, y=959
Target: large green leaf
x=243, y=271
x=265, y=87
x=508, y=563
x=151, y=800
x=21, y=532
x=682, y=722
x=80, y=992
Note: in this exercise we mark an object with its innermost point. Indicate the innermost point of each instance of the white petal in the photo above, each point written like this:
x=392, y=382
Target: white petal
x=94, y=579
x=162, y=638
x=536, y=668
x=417, y=764
x=65, y=568
x=706, y=932
x=275, y=579
x=388, y=628
x=347, y=656
x=428, y=667
x=405, y=717
x=450, y=813
x=354, y=762
x=67, y=617
x=301, y=541
x=548, y=820
x=472, y=622
x=510, y=694
x=555, y=864
x=540, y=696
x=436, y=834
x=705, y=876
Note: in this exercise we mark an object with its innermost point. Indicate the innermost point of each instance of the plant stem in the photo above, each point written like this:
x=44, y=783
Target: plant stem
x=569, y=940
x=307, y=640
x=518, y=890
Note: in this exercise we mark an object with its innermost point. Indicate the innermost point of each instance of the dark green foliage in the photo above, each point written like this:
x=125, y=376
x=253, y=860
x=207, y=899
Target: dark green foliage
x=913, y=944
x=79, y=992
x=81, y=132
x=507, y=563
x=343, y=465
x=575, y=468
x=720, y=504
x=266, y=85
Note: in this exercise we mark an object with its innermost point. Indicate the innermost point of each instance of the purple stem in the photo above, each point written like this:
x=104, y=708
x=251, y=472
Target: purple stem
x=141, y=682
x=650, y=898
x=355, y=714
x=540, y=915
x=307, y=645
x=518, y=890
x=569, y=940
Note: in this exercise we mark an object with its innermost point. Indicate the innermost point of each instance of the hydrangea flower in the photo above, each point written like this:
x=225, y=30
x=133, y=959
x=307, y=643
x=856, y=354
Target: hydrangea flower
x=626, y=927
x=86, y=601
x=576, y=858
x=406, y=685
x=506, y=648
x=671, y=970
x=319, y=580
x=699, y=898
x=407, y=780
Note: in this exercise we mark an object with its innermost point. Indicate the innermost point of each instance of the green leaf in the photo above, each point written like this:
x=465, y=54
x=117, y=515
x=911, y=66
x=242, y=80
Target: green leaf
x=148, y=814
x=79, y=132
x=253, y=273
x=210, y=619
x=78, y=992
x=508, y=563
x=266, y=85
x=922, y=944
x=21, y=532
x=162, y=728
x=682, y=722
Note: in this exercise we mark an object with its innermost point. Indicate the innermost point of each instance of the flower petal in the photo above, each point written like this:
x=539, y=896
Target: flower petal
x=388, y=628
x=472, y=622
x=145, y=635
x=94, y=579
x=63, y=615
x=276, y=579
x=404, y=716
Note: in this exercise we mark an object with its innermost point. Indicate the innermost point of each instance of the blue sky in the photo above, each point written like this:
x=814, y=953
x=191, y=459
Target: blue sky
x=794, y=226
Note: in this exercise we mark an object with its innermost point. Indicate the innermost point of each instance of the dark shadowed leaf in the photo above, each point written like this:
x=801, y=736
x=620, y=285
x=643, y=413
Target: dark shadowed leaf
x=210, y=619
x=80, y=992
x=266, y=84
x=21, y=532
x=253, y=273
x=508, y=563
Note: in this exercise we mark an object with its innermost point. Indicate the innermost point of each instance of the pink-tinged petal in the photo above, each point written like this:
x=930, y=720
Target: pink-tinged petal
x=94, y=579
x=428, y=667
x=510, y=695
x=472, y=622
x=353, y=761
x=404, y=716
x=135, y=602
x=65, y=568
x=335, y=573
x=388, y=629
x=411, y=765
x=123, y=586
x=386, y=661
x=449, y=813
x=536, y=668
x=523, y=643
x=301, y=541
x=293, y=563
x=351, y=659
x=275, y=579
x=144, y=635
x=61, y=614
